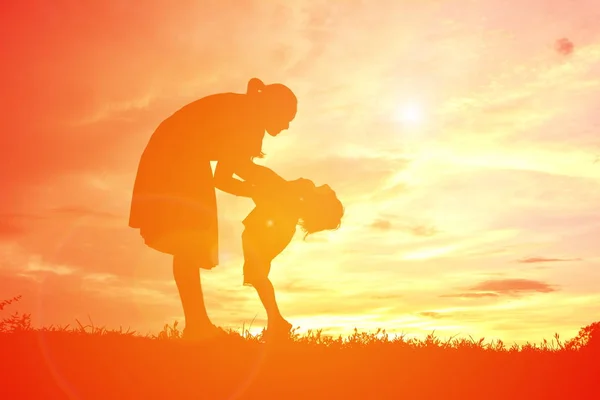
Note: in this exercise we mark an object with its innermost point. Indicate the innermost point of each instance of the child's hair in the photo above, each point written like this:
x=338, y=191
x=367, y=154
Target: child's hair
x=322, y=211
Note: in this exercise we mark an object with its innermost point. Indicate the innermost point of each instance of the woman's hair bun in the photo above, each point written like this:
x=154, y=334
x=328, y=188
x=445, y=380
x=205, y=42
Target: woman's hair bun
x=255, y=86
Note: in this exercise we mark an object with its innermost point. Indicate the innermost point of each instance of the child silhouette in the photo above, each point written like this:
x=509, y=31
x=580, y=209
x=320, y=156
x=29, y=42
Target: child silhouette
x=270, y=227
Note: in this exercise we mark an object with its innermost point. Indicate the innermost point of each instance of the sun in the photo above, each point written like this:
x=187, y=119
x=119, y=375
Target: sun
x=409, y=114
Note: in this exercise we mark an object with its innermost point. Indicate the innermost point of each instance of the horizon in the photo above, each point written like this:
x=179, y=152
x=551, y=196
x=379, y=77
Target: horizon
x=462, y=141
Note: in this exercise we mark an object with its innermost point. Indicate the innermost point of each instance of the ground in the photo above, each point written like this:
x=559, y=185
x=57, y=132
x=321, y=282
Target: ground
x=93, y=363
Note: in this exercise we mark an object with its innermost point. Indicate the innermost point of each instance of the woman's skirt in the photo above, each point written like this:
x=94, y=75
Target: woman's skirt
x=175, y=208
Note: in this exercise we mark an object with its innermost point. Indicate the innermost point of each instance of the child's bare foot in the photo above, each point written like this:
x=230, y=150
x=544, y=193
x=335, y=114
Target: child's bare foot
x=279, y=329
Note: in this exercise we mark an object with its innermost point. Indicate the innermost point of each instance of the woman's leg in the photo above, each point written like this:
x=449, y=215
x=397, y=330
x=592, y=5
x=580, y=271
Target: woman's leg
x=187, y=278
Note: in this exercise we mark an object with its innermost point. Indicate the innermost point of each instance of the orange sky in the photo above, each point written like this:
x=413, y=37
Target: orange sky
x=462, y=143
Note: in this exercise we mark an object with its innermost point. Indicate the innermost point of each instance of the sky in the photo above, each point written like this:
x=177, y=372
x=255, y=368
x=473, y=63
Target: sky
x=461, y=136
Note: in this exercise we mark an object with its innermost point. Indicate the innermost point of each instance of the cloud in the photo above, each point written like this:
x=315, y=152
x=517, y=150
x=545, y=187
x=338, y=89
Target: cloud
x=471, y=295
x=297, y=287
x=503, y=287
x=381, y=224
x=415, y=230
x=38, y=267
x=14, y=225
x=432, y=314
x=78, y=211
x=513, y=286
x=423, y=230
x=391, y=192
x=564, y=46
x=458, y=316
x=388, y=296
x=533, y=260
x=9, y=228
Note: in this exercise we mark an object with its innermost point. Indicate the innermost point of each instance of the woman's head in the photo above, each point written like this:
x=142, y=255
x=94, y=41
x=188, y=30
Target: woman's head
x=277, y=102
x=322, y=211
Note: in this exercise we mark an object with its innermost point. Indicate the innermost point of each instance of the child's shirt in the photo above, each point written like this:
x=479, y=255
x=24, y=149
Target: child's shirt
x=270, y=226
x=282, y=209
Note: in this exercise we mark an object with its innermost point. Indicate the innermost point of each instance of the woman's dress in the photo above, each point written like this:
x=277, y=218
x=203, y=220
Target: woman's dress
x=174, y=201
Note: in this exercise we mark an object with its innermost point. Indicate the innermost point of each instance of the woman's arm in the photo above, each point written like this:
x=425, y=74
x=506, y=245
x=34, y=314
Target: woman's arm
x=257, y=174
x=225, y=181
x=254, y=175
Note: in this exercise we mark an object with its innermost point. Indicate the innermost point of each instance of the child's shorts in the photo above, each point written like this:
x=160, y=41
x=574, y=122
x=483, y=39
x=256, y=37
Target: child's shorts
x=260, y=247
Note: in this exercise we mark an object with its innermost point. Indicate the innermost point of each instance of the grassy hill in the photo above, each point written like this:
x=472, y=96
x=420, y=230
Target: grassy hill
x=88, y=362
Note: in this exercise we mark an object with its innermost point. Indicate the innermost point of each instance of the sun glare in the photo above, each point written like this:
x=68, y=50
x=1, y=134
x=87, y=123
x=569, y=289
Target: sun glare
x=426, y=254
x=409, y=114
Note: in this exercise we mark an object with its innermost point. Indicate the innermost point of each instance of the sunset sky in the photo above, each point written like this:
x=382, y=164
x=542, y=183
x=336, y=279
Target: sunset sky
x=464, y=144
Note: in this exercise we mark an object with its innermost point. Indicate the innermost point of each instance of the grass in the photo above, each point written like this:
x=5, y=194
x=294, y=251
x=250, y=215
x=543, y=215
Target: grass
x=89, y=362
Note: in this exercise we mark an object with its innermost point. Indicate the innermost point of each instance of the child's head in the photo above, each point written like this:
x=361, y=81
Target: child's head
x=322, y=210
x=278, y=102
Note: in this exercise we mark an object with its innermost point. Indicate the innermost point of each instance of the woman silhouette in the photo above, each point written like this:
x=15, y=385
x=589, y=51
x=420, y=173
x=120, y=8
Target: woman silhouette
x=174, y=200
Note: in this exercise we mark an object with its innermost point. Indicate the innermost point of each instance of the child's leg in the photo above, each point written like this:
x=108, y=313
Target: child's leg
x=266, y=293
x=261, y=245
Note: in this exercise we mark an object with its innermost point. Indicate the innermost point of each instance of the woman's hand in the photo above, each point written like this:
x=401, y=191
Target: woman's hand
x=236, y=187
x=257, y=174
x=224, y=180
x=302, y=186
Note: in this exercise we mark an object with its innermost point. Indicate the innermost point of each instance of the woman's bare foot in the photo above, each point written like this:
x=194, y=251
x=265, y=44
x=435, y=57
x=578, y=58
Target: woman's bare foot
x=204, y=332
